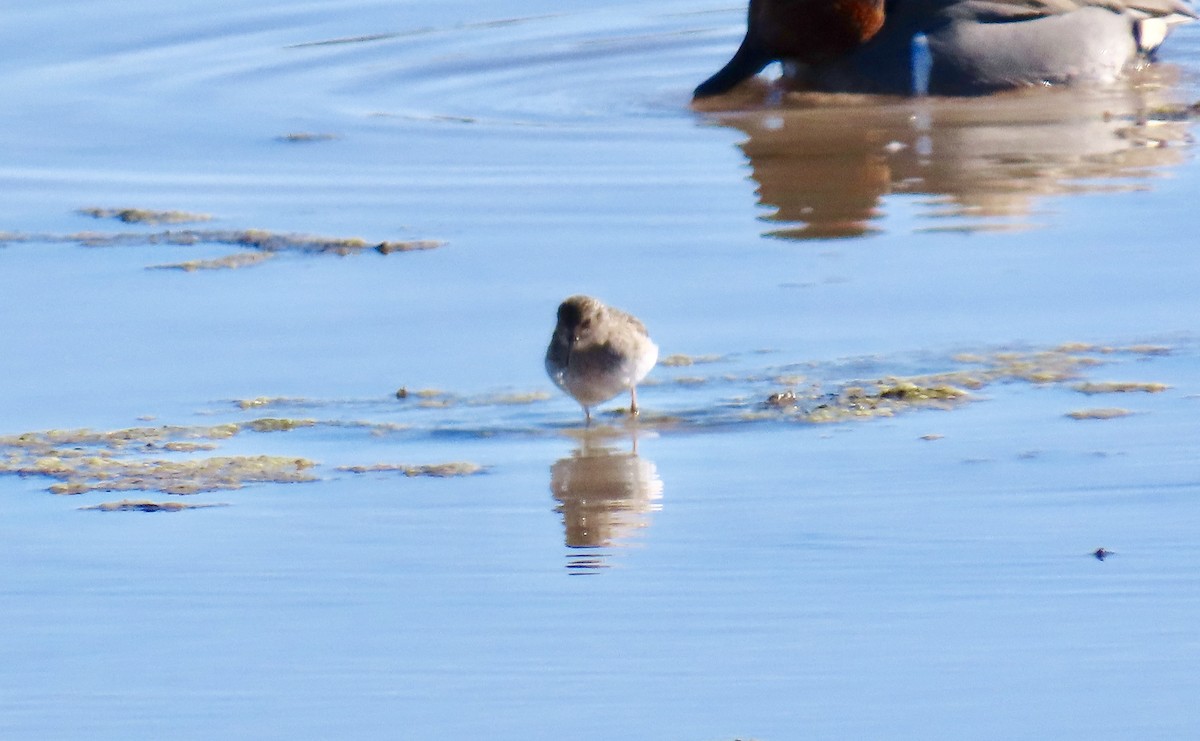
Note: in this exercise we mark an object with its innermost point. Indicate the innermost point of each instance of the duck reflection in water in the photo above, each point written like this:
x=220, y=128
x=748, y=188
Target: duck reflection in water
x=825, y=164
x=604, y=495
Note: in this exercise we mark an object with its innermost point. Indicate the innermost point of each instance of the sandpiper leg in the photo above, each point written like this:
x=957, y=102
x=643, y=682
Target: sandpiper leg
x=587, y=417
x=633, y=410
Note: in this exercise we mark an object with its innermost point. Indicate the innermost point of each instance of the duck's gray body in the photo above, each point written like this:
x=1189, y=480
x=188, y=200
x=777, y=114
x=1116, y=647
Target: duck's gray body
x=965, y=47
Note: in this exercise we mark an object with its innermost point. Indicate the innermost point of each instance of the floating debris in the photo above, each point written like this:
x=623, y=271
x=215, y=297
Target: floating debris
x=911, y=392
x=177, y=446
x=258, y=239
x=1120, y=387
x=782, y=399
x=96, y=473
x=145, y=505
x=375, y=428
x=1105, y=413
x=416, y=245
x=261, y=240
x=436, y=470
x=1039, y=368
x=228, y=262
x=1139, y=349
x=132, y=459
x=1102, y=553
x=346, y=40
x=143, y=438
x=678, y=360
x=305, y=137
x=144, y=216
x=1064, y=363
x=1151, y=350
x=178, y=459
x=429, y=398
x=270, y=401
x=273, y=424
x=884, y=399
x=511, y=399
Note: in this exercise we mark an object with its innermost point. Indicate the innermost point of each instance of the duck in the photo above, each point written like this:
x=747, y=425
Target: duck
x=947, y=47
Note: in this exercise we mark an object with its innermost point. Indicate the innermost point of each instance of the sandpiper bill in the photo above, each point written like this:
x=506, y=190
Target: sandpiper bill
x=597, y=352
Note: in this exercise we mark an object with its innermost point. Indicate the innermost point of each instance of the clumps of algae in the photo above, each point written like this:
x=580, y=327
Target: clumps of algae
x=260, y=402
x=143, y=438
x=256, y=239
x=266, y=245
x=679, y=360
x=438, y=399
x=228, y=262
x=276, y=424
x=435, y=470
x=885, y=397
x=264, y=242
x=1041, y=367
x=145, y=505
x=133, y=459
x=99, y=472
x=306, y=137
x=136, y=459
x=1120, y=387
x=1102, y=413
x=144, y=216
x=1058, y=365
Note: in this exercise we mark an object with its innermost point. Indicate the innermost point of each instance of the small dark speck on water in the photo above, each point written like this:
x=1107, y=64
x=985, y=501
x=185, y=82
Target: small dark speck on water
x=1101, y=554
x=303, y=137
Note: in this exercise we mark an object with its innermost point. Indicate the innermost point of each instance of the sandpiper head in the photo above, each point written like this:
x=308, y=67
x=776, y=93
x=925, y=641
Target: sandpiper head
x=576, y=317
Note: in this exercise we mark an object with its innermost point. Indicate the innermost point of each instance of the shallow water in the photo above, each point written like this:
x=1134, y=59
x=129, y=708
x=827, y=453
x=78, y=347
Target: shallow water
x=744, y=573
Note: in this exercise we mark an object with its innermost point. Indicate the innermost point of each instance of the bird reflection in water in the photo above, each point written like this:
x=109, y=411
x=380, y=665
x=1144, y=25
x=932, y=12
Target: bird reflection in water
x=825, y=164
x=605, y=497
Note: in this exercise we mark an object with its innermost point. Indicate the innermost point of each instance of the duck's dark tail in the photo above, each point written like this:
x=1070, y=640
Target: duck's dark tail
x=747, y=62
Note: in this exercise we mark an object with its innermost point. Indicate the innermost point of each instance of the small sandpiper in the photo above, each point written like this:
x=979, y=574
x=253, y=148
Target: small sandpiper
x=597, y=352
